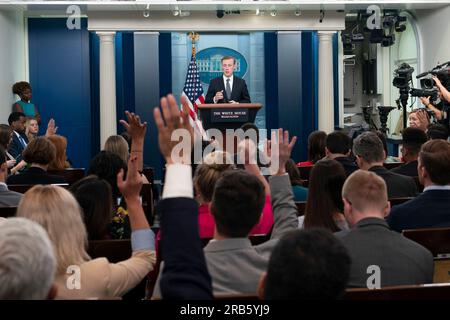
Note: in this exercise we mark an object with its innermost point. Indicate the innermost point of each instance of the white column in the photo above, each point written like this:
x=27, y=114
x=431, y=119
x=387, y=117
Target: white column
x=326, y=94
x=108, y=125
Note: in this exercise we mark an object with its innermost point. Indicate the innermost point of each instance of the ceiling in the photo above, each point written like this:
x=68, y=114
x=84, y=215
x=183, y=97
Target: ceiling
x=59, y=7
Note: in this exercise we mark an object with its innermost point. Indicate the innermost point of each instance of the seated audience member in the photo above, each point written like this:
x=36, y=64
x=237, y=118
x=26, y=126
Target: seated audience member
x=306, y=265
x=27, y=261
x=300, y=192
x=370, y=242
x=58, y=211
x=8, y=198
x=338, y=147
x=31, y=128
x=316, y=148
x=106, y=165
x=117, y=145
x=431, y=208
x=324, y=207
x=368, y=149
x=412, y=141
x=234, y=264
x=6, y=135
x=437, y=131
x=94, y=197
x=39, y=153
x=205, y=178
x=16, y=121
x=419, y=118
x=60, y=161
x=24, y=105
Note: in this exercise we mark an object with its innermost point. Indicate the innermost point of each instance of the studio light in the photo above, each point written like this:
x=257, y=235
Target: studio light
x=146, y=12
x=297, y=13
x=220, y=13
x=176, y=13
x=273, y=13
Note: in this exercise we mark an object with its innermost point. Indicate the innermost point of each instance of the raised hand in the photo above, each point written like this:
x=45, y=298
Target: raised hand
x=135, y=128
x=281, y=150
x=170, y=123
x=130, y=188
x=51, y=128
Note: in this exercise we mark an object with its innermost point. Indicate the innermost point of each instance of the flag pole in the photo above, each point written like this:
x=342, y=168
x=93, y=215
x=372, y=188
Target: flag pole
x=194, y=36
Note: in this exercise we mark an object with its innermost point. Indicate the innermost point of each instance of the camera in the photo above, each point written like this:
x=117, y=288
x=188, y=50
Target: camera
x=428, y=85
x=432, y=93
x=403, y=76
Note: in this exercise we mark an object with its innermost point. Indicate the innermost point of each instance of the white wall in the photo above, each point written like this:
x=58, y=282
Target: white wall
x=434, y=31
x=12, y=58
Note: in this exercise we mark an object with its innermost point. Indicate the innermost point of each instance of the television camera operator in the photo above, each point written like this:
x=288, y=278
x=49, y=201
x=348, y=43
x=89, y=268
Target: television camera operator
x=435, y=95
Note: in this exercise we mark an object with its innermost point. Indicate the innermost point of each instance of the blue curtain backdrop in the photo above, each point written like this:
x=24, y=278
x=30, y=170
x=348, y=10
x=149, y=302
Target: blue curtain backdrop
x=60, y=77
x=297, y=112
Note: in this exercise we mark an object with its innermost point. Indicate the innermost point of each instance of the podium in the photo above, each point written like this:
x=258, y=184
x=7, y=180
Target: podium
x=222, y=116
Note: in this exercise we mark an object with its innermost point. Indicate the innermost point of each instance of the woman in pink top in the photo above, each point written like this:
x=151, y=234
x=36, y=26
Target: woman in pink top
x=205, y=178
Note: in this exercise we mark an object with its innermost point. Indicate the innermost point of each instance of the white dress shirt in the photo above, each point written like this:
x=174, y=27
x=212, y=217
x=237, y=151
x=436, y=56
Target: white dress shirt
x=178, y=181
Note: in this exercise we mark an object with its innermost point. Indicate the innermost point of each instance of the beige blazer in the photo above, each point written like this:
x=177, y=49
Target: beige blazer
x=101, y=279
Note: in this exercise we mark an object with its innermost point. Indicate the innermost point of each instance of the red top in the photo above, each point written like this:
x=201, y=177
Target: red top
x=206, y=220
x=305, y=164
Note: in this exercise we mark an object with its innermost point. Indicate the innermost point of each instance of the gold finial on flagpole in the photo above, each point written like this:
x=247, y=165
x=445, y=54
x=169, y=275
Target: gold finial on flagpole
x=194, y=36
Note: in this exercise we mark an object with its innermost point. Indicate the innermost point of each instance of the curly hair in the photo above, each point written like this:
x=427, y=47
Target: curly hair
x=19, y=87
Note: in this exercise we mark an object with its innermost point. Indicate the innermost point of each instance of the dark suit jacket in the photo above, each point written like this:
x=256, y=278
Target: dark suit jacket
x=348, y=164
x=428, y=210
x=398, y=186
x=401, y=261
x=408, y=169
x=184, y=274
x=239, y=92
x=35, y=175
x=15, y=148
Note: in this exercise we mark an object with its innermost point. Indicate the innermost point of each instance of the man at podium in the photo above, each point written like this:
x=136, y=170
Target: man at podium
x=227, y=88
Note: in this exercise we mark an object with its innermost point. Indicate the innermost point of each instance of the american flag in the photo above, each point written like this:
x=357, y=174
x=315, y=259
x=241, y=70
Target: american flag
x=193, y=90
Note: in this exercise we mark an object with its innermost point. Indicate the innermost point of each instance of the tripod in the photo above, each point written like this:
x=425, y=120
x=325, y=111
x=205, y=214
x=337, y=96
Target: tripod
x=402, y=102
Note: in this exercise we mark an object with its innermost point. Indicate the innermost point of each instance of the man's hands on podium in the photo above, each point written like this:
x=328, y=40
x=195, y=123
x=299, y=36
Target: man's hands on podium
x=218, y=96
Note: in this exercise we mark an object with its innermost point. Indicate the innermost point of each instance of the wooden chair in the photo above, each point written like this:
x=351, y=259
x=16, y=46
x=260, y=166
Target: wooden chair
x=6, y=212
x=397, y=201
x=439, y=291
x=116, y=251
x=22, y=188
x=301, y=206
x=71, y=175
x=437, y=240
